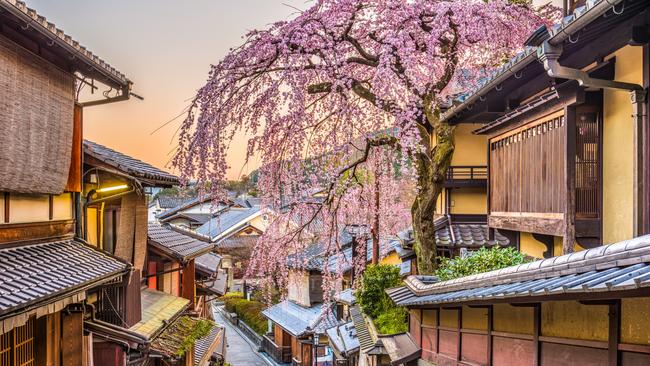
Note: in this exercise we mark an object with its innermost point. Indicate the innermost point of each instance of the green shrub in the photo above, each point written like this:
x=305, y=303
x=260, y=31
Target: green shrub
x=371, y=295
x=392, y=320
x=482, y=260
x=248, y=311
x=375, y=302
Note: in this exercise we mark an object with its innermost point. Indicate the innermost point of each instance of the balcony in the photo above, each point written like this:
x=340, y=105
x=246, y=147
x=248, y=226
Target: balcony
x=466, y=176
x=279, y=354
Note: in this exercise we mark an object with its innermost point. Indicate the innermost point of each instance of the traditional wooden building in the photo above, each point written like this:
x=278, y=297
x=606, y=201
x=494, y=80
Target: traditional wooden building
x=171, y=265
x=567, y=130
x=48, y=272
x=302, y=343
x=586, y=308
x=134, y=324
x=235, y=231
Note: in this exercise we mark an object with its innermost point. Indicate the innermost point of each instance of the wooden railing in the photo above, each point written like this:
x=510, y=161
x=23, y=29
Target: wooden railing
x=280, y=354
x=467, y=175
x=296, y=362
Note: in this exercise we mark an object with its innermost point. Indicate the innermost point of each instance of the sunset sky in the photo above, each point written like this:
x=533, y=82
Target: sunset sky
x=165, y=47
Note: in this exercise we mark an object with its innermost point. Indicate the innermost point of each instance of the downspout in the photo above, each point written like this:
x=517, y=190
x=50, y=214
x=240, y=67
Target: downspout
x=549, y=55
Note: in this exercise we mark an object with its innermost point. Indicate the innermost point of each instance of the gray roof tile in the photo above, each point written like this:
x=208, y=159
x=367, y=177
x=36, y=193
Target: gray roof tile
x=30, y=273
x=299, y=320
x=128, y=165
x=180, y=246
x=226, y=220
x=570, y=273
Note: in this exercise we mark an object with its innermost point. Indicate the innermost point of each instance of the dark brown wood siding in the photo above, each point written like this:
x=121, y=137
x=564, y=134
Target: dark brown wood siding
x=527, y=167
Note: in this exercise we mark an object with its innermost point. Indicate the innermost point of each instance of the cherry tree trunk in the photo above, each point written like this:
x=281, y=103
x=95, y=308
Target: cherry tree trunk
x=432, y=168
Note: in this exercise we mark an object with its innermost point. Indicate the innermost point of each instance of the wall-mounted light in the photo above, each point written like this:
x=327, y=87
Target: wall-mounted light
x=93, y=178
x=113, y=188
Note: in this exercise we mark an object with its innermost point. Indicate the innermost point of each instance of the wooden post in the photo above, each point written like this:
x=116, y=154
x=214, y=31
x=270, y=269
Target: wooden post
x=614, y=332
x=490, y=324
x=568, y=238
x=537, y=325
x=637, y=98
x=646, y=141
x=460, y=334
x=188, y=282
x=72, y=339
x=7, y=198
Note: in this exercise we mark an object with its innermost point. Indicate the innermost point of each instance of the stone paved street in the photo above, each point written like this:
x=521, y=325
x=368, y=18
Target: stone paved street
x=239, y=352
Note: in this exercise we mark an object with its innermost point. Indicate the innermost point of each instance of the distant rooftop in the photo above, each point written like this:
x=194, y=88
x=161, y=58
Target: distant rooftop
x=128, y=165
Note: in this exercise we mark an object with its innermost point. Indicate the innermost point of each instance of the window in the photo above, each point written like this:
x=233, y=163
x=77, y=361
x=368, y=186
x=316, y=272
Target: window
x=17, y=346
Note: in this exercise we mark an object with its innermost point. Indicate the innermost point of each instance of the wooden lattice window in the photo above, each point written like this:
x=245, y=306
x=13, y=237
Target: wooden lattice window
x=17, y=346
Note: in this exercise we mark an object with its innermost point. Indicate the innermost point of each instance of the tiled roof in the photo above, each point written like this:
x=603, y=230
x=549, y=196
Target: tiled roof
x=158, y=309
x=32, y=273
x=171, y=201
x=228, y=220
x=208, y=263
x=40, y=24
x=238, y=241
x=363, y=333
x=205, y=347
x=129, y=165
x=218, y=285
x=299, y=320
x=346, y=296
x=616, y=267
x=191, y=202
x=558, y=34
x=400, y=348
x=405, y=267
x=343, y=338
x=180, y=246
x=178, y=337
x=468, y=236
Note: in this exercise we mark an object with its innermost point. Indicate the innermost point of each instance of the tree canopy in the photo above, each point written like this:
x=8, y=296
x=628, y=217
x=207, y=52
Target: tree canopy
x=337, y=97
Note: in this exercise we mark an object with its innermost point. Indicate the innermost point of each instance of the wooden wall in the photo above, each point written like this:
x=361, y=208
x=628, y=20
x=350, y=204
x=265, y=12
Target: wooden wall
x=527, y=167
x=551, y=333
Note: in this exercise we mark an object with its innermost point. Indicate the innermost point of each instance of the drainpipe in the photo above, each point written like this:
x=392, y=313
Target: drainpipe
x=549, y=56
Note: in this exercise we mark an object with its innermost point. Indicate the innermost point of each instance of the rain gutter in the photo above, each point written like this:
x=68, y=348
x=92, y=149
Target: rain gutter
x=556, y=39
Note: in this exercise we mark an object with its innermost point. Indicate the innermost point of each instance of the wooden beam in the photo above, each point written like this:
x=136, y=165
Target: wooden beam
x=490, y=325
x=539, y=225
x=568, y=237
x=50, y=202
x=646, y=142
x=537, y=324
x=614, y=332
x=36, y=231
x=459, y=348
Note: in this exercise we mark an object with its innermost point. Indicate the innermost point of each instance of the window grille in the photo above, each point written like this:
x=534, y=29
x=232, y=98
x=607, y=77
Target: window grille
x=17, y=346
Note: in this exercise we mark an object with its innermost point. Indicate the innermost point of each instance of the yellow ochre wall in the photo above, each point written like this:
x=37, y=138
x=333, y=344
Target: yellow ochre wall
x=618, y=148
x=470, y=149
x=474, y=318
x=530, y=246
x=392, y=258
x=570, y=319
x=513, y=319
x=468, y=201
x=635, y=313
x=534, y=248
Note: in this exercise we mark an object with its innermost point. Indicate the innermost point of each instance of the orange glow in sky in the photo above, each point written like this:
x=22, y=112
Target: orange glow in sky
x=165, y=47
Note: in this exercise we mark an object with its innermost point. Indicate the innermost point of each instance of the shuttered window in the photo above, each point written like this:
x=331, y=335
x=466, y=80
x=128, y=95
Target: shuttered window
x=17, y=346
